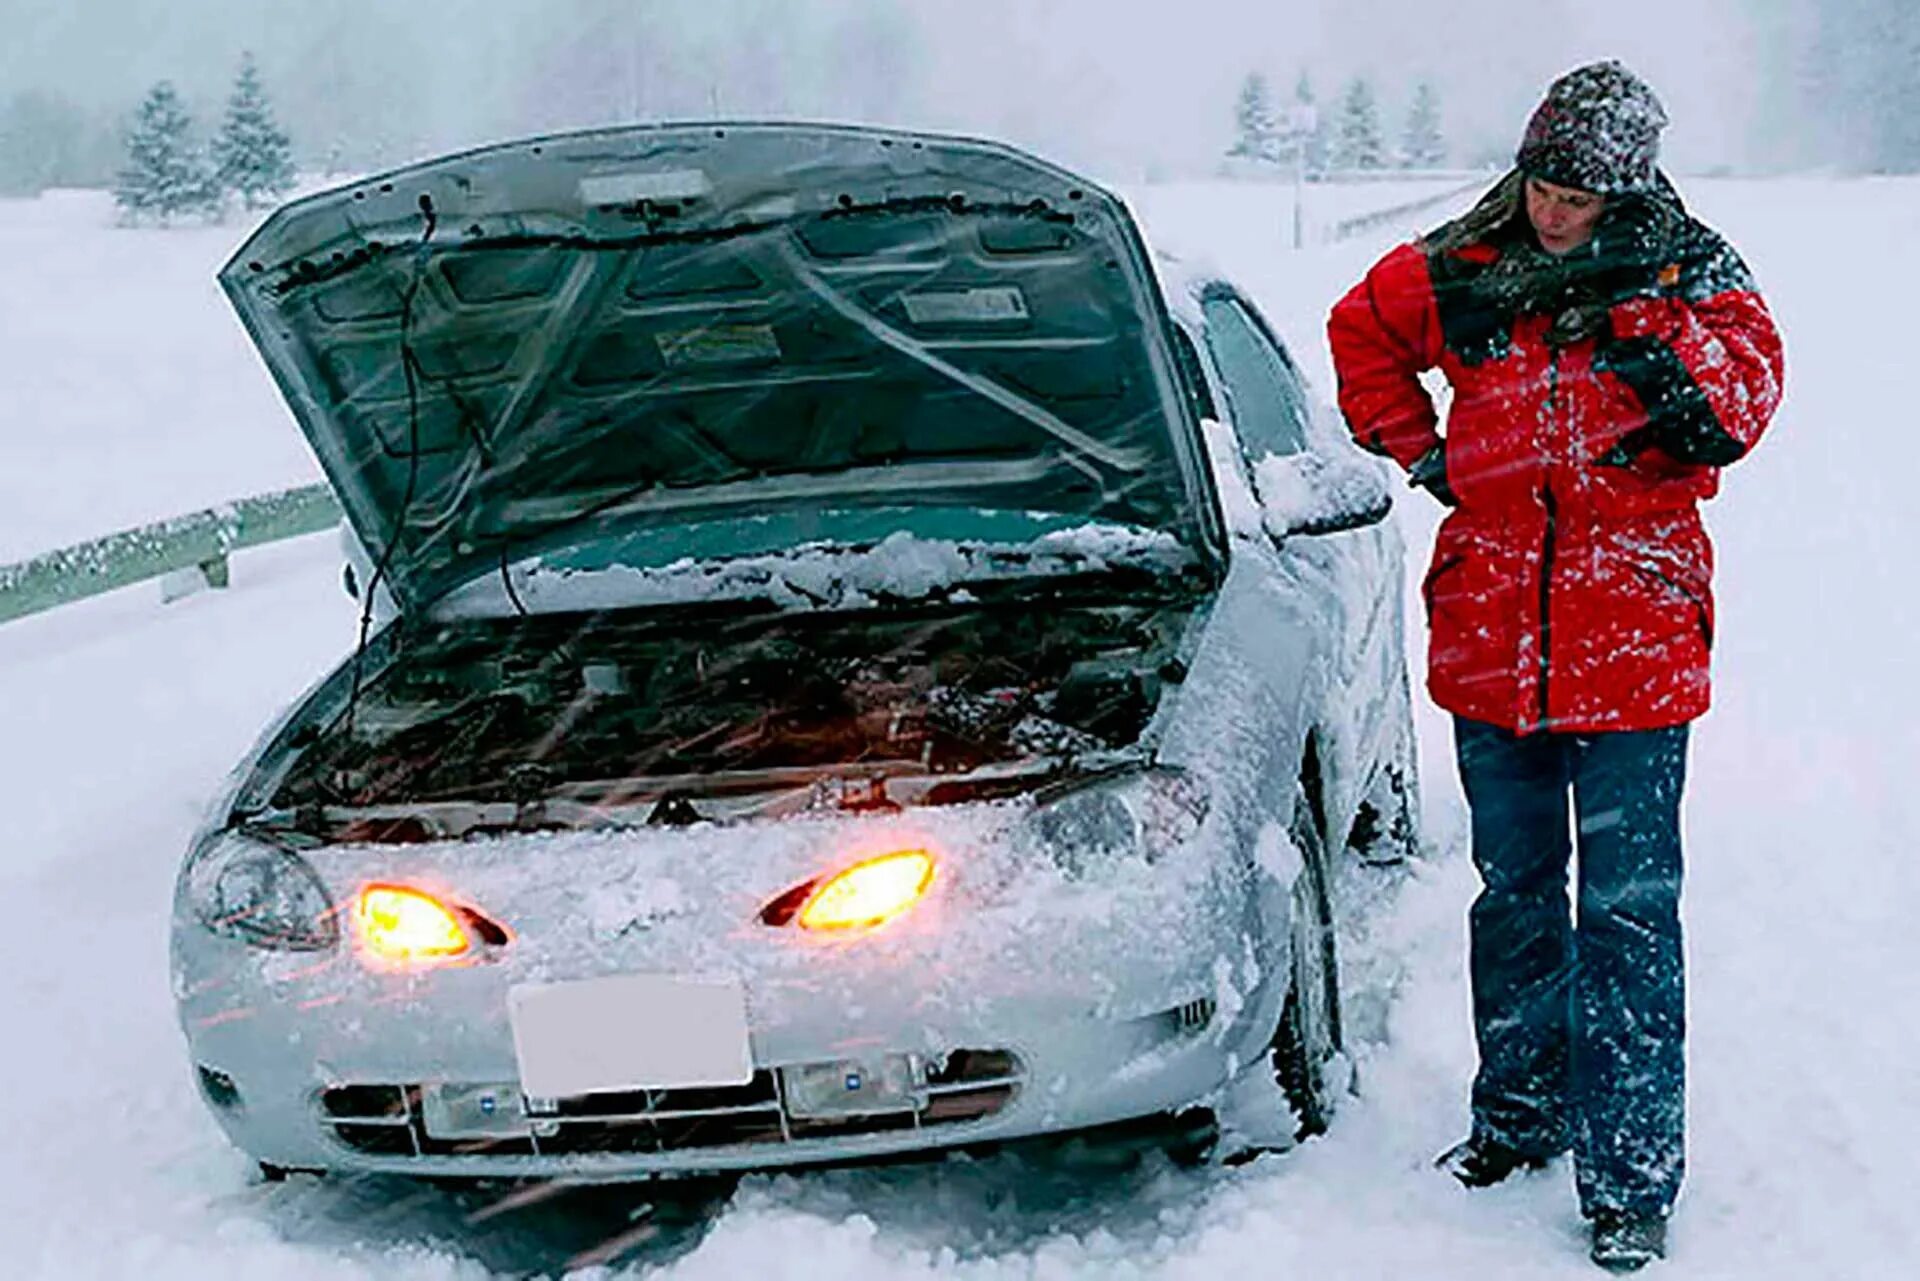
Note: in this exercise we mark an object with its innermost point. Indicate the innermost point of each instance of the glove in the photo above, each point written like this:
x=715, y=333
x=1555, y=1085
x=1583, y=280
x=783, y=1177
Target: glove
x=1627, y=258
x=1685, y=433
x=1629, y=447
x=1429, y=472
x=1633, y=245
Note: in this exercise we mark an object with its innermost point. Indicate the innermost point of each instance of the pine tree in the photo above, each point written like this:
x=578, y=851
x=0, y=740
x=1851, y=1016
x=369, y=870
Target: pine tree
x=1255, y=137
x=164, y=174
x=252, y=154
x=1421, y=146
x=1356, y=142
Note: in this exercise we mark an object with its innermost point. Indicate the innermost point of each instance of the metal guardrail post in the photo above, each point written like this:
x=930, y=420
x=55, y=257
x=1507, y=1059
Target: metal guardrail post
x=202, y=540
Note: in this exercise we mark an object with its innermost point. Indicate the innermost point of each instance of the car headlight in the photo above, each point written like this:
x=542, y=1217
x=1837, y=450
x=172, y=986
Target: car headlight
x=260, y=894
x=1139, y=813
x=868, y=894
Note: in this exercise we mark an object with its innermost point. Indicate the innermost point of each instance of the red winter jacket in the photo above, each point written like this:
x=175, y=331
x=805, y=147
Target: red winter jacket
x=1564, y=593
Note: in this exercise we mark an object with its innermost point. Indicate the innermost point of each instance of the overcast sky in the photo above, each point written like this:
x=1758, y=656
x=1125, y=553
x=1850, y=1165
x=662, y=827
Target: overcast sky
x=1122, y=86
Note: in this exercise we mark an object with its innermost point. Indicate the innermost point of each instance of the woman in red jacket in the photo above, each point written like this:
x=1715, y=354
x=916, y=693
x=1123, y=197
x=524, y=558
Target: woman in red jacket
x=1608, y=355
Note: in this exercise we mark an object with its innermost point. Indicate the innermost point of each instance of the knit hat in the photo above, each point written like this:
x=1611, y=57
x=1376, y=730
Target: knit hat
x=1598, y=130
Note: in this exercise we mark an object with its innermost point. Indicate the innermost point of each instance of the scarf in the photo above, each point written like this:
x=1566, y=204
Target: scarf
x=1634, y=237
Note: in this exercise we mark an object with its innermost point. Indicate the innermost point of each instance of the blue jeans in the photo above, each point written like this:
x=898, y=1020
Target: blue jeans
x=1581, y=1016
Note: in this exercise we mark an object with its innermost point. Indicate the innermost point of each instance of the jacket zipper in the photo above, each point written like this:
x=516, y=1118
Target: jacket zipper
x=1547, y=542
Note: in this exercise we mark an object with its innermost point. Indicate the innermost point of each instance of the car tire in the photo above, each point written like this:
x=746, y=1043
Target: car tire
x=1307, y=1039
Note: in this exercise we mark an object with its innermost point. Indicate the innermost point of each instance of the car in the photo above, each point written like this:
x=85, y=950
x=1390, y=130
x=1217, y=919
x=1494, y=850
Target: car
x=858, y=658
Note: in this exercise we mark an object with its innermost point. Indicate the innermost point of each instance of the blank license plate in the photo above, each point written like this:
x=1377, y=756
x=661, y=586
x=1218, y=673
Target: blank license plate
x=627, y=1032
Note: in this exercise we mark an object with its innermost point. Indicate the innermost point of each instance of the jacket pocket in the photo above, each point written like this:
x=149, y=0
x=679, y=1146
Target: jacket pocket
x=1649, y=484
x=1442, y=566
x=1703, y=611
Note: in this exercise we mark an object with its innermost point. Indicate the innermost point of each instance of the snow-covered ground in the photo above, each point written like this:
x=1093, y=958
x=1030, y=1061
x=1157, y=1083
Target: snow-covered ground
x=130, y=392
x=127, y=393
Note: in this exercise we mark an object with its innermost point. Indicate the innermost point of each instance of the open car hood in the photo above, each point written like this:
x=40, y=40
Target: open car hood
x=543, y=343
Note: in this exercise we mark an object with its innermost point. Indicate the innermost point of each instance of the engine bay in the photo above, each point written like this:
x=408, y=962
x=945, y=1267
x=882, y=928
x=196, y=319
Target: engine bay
x=675, y=709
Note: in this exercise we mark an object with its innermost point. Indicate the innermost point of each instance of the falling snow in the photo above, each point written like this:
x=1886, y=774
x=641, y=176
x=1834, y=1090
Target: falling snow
x=122, y=716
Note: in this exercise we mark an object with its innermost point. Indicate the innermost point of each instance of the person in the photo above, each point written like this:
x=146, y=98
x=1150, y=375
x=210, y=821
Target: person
x=1608, y=355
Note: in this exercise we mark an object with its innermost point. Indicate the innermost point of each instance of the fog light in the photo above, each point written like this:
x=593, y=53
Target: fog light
x=815, y=1091
x=218, y=1088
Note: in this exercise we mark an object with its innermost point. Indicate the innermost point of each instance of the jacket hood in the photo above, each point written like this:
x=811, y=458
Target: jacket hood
x=543, y=343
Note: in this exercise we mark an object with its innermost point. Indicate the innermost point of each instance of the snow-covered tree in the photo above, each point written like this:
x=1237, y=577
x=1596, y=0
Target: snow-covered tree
x=1356, y=142
x=1421, y=145
x=252, y=154
x=1255, y=135
x=165, y=174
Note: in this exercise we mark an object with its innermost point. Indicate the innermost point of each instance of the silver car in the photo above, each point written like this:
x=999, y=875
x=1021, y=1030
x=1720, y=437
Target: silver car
x=858, y=658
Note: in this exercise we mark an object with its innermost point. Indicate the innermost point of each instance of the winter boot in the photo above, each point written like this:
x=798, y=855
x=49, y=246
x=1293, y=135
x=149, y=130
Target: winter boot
x=1481, y=1162
x=1628, y=1242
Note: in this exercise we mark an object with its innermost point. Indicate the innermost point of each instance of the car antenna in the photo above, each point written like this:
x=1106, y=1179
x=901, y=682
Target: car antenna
x=410, y=368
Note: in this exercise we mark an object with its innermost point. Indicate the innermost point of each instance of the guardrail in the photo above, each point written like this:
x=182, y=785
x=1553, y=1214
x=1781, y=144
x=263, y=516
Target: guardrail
x=1360, y=224
x=1468, y=176
x=200, y=542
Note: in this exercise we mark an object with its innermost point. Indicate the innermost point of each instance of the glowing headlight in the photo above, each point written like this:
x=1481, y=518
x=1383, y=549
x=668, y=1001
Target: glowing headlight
x=260, y=894
x=871, y=893
x=867, y=894
x=1139, y=813
x=401, y=924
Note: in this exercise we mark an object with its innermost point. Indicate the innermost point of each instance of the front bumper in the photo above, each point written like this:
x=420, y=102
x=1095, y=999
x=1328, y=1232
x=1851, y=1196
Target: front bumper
x=1021, y=1011
x=289, y=1110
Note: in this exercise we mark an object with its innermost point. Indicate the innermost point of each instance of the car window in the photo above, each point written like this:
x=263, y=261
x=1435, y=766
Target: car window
x=1191, y=374
x=1268, y=398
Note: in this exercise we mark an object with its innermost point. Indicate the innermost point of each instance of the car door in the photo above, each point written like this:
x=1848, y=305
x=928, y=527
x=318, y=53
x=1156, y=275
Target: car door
x=1343, y=580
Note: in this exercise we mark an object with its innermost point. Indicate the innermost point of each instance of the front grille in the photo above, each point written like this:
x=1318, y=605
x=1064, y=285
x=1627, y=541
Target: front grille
x=387, y=1120
x=1193, y=1016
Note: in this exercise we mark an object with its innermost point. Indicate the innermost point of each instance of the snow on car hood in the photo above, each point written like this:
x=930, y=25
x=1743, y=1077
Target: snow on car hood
x=633, y=329
x=1001, y=918
x=824, y=575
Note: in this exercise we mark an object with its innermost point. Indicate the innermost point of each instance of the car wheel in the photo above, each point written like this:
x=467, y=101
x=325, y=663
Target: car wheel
x=1386, y=830
x=1307, y=1039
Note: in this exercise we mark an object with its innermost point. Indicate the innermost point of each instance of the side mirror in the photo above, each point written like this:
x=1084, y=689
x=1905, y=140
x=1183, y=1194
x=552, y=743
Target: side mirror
x=1307, y=494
